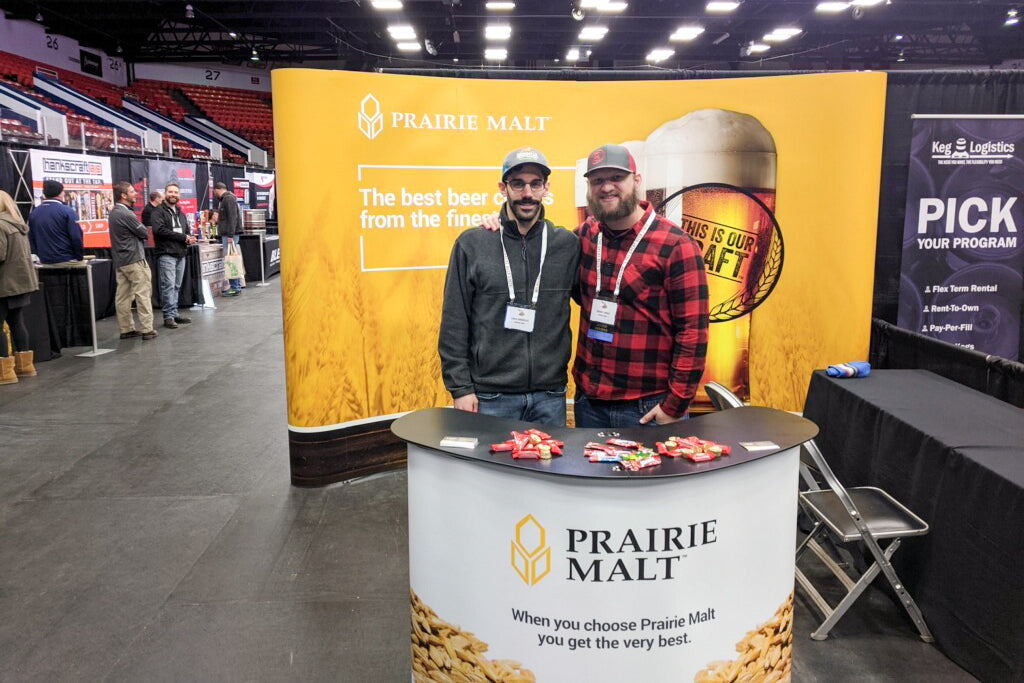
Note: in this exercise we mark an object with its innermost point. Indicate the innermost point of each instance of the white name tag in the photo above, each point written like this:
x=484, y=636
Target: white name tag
x=603, y=311
x=177, y=228
x=519, y=318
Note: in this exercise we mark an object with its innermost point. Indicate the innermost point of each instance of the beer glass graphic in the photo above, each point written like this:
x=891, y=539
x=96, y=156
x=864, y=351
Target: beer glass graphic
x=712, y=172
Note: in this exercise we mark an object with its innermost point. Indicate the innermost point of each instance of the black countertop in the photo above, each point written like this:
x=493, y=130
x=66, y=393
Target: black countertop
x=728, y=427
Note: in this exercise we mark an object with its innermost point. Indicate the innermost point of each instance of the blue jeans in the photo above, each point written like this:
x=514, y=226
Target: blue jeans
x=543, y=407
x=172, y=272
x=597, y=413
x=234, y=283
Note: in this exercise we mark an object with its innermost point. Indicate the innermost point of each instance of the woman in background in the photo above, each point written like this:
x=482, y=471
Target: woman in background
x=18, y=280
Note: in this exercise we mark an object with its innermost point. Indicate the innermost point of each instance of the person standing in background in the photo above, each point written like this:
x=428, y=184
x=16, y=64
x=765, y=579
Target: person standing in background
x=229, y=226
x=18, y=280
x=55, y=234
x=134, y=279
x=171, y=236
x=155, y=198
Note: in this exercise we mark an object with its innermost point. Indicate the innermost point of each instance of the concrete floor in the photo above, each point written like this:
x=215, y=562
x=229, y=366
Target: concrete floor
x=148, y=530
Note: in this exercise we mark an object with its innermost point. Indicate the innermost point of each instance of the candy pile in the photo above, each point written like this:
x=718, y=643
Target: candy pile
x=629, y=454
x=697, y=450
x=533, y=444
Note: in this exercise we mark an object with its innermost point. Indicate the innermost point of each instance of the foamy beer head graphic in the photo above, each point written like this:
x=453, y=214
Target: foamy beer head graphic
x=712, y=172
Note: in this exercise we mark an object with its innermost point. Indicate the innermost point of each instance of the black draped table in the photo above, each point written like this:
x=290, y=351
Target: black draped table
x=261, y=255
x=955, y=456
x=190, y=294
x=65, y=304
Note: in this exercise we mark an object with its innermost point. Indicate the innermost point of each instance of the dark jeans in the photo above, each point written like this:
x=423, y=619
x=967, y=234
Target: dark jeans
x=598, y=413
x=19, y=333
x=543, y=407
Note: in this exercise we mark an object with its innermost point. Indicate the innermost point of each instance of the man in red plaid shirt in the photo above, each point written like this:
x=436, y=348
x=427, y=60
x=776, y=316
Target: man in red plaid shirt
x=643, y=304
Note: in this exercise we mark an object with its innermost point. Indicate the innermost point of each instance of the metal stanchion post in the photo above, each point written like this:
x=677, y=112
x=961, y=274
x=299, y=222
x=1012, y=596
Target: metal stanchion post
x=263, y=265
x=96, y=350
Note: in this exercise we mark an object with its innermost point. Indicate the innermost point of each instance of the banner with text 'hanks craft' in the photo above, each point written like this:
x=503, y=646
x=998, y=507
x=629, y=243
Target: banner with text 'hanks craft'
x=962, y=250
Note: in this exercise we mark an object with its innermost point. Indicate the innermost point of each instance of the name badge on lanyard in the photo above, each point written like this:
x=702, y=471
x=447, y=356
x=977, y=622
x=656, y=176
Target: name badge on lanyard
x=521, y=317
x=605, y=308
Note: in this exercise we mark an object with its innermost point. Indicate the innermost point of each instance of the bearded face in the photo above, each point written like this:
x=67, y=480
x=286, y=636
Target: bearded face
x=610, y=198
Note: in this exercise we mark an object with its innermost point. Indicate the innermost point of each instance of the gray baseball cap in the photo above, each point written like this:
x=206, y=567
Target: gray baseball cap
x=521, y=157
x=610, y=156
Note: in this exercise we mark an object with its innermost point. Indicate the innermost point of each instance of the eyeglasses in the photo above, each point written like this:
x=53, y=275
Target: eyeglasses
x=617, y=179
x=517, y=185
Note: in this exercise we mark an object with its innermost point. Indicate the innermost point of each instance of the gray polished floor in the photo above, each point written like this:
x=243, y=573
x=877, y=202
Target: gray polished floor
x=148, y=530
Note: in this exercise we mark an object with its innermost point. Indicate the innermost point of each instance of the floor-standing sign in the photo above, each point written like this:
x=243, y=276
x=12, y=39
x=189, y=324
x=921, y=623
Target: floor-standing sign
x=962, y=249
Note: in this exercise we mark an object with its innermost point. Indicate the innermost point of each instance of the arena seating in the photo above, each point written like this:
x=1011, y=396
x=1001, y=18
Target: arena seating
x=245, y=113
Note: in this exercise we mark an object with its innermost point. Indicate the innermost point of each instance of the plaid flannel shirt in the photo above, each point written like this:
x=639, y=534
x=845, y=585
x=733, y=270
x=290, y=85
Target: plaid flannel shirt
x=661, y=330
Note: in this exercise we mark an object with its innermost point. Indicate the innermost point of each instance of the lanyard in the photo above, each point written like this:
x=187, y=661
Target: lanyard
x=625, y=262
x=508, y=266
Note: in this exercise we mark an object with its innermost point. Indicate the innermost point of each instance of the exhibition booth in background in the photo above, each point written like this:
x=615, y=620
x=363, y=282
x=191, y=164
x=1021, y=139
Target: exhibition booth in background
x=789, y=161
x=59, y=314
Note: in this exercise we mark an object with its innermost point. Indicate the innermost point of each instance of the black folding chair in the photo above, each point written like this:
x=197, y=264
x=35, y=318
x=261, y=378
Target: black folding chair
x=862, y=515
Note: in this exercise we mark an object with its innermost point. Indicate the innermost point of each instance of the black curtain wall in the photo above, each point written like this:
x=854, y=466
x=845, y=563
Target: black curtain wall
x=925, y=92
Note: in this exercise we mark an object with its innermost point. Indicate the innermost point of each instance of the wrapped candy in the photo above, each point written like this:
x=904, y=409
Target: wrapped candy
x=533, y=444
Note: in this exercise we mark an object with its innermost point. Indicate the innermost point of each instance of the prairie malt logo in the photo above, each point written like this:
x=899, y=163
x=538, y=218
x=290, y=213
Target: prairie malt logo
x=371, y=120
x=531, y=556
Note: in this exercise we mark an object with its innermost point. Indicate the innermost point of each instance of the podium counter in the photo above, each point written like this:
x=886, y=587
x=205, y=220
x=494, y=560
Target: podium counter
x=564, y=569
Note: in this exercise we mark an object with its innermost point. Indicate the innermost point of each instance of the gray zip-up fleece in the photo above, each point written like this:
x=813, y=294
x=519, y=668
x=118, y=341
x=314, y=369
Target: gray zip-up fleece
x=477, y=353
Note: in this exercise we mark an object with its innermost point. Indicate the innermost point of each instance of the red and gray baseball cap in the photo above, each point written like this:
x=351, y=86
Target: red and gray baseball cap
x=521, y=157
x=610, y=156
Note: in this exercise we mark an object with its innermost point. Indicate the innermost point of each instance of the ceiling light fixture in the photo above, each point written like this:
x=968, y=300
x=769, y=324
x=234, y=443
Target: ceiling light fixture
x=753, y=49
x=402, y=32
x=1011, y=18
x=430, y=47
x=120, y=50
x=39, y=17
x=497, y=32
x=898, y=37
x=603, y=5
x=255, y=57
x=592, y=34
x=385, y=5
x=189, y=12
x=686, y=33
x=866, y=3
x=496, y=6
x=783, y=33
x=495, y=54
x=232, y=34
x=720, y=39
x=721, y=6
x=573, y=55
x=576, y=13
x=901, y=58
x=831, y=7
x=660, y=54
x=408, y=46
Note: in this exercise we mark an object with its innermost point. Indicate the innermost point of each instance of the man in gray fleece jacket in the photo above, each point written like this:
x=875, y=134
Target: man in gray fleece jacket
x=505, y=340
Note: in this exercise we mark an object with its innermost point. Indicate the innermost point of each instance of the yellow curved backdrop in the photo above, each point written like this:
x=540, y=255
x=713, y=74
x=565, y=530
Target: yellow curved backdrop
x=363, y=255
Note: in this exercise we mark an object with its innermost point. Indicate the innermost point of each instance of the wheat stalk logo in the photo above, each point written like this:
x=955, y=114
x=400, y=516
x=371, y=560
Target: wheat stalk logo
x=531, y=556
x=371, y=120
